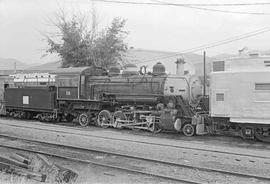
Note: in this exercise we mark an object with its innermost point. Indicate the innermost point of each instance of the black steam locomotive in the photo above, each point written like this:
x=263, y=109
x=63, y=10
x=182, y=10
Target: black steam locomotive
x=130, y=98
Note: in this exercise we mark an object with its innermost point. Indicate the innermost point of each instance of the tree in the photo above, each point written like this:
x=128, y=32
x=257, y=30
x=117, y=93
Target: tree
x=80, y=45
x=110, y=44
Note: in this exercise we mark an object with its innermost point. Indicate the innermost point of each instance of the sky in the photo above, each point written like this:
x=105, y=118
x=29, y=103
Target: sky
x=23, y=24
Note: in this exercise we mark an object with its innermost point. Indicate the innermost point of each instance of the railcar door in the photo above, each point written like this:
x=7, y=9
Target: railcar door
x=220, y=102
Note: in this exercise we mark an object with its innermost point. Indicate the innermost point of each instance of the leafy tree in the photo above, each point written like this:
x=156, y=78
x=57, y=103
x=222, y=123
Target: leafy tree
x=81, y=46
x=110, y=44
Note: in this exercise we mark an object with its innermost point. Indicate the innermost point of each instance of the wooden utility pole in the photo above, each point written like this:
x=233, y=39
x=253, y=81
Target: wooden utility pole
x=204, y=73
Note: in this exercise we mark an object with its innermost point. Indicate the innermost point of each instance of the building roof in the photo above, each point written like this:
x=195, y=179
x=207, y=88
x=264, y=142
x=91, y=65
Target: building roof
x=72, y=71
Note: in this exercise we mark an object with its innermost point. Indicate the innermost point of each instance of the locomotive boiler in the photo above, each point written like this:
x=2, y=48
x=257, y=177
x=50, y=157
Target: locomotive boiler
x=131, y=87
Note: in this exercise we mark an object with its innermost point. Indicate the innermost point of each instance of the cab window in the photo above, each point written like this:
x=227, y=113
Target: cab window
x=67, y=81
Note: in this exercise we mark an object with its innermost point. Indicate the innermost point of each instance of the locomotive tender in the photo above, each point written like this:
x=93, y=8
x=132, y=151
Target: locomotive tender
x=131, y=99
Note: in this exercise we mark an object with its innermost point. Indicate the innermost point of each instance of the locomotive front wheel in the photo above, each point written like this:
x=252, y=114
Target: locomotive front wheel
x=84, y=119
x=188, y=130
x=104, y=119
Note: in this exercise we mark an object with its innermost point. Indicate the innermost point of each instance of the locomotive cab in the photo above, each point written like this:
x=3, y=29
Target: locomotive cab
x=72, y=93
x=71, y=82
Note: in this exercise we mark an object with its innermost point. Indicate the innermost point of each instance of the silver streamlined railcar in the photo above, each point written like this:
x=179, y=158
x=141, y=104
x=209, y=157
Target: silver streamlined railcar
x=240, y=95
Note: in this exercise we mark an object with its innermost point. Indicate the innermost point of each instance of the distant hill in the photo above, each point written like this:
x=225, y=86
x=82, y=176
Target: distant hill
x=9, y=64
x=47, y=66
x=142, y=56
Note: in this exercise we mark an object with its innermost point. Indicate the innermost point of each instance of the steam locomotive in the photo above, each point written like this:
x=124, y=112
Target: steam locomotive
x=138, y=100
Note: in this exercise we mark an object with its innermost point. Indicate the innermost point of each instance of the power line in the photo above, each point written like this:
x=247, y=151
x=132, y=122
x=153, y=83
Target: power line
x=196, y=6
x=228, y=39
x=193, y=6
x=223, y=4
x=226, y=11
x=217, y=10
x=188, y=4
x=210, y=45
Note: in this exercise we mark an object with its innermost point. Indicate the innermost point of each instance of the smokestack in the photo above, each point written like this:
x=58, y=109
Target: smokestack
x=180, y=66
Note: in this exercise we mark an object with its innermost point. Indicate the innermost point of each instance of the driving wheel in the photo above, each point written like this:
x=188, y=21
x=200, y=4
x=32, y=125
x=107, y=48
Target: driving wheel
x=104, y=118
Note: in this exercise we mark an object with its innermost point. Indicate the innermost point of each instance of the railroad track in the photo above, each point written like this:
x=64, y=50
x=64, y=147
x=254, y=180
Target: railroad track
x=85, y=132
x=75, y=125
x=259, y=138
x=88, y=161
x=44, y=148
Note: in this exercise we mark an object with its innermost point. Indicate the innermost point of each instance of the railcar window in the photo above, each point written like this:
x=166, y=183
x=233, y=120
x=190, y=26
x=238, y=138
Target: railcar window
x=218, y=66
x=26, y=100
x=219, y=97
x=262, y=86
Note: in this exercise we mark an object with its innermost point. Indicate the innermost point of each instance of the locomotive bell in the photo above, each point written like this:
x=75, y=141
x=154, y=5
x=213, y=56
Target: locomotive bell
x=159, y=69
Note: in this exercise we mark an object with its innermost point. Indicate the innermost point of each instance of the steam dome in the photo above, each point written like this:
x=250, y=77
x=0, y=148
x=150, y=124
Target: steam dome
x=159, y=69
